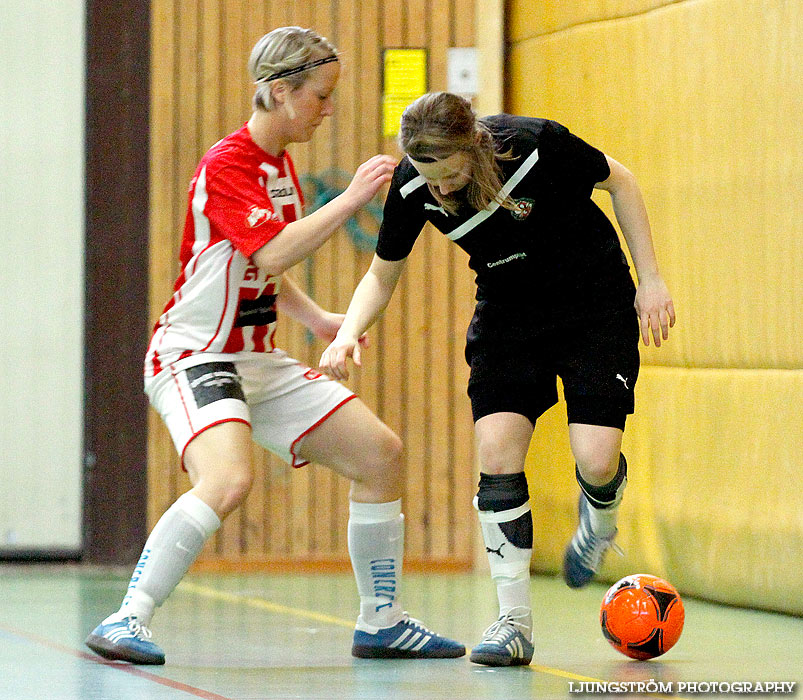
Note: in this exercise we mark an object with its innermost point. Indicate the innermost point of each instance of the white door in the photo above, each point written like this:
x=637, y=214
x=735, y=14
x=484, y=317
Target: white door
x=41, y=274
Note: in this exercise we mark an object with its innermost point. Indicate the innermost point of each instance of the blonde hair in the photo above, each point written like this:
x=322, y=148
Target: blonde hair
x=438, y=125
x=284, y=54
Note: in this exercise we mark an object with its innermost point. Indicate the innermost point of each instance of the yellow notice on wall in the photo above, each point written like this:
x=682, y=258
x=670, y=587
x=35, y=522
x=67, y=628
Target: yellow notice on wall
x=405, y=79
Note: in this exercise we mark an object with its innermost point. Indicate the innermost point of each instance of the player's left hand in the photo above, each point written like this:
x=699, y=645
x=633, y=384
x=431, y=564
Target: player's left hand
x=655, y=309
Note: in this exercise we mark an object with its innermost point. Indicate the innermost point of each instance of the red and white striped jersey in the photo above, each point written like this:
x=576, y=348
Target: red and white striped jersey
x=239, y=199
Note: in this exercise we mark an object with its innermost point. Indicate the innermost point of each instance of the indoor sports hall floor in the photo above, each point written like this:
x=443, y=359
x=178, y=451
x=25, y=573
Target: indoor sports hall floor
x=289, y=636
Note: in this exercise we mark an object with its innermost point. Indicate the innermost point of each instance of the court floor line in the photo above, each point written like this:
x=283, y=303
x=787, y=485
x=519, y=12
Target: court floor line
x=263, y=604
x=126, y=668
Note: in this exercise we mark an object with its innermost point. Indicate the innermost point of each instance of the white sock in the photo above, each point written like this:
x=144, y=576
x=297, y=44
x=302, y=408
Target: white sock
x=515, y=593
x=376, y=548
x=603, y=511
x=170, y=550
x=603, y=520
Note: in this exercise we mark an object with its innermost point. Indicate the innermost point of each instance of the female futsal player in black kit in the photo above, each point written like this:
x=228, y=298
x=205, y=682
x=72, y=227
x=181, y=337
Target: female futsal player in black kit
x=554, y=298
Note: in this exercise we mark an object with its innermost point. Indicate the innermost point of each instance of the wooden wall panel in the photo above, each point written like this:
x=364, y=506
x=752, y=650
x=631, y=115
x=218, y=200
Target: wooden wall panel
x=414, y=374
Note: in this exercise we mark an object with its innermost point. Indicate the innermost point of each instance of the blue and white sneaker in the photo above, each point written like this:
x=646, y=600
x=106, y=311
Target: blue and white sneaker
x=505, y=642
x=125, y=639
x=408, y=639
x=585, y=552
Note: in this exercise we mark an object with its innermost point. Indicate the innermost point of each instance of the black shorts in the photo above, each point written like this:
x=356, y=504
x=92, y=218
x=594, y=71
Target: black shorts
x=515, y=365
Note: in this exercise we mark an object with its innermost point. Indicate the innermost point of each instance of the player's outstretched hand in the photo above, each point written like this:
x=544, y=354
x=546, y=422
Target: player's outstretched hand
x=370, y=176
x=655, y=309
x=334, y=360
x=326, y=325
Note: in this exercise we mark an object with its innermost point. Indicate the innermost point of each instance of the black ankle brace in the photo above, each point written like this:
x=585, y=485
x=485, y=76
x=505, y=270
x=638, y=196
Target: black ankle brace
x=602, y=497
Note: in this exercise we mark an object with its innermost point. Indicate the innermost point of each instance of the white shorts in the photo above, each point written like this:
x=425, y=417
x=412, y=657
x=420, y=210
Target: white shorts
x=281, y=399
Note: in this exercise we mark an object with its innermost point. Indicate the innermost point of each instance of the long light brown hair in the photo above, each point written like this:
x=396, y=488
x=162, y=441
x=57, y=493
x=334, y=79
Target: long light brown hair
x=438, y=125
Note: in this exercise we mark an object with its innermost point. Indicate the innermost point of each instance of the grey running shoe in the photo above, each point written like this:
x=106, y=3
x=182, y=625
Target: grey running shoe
x=585, y=552
x=504, y=642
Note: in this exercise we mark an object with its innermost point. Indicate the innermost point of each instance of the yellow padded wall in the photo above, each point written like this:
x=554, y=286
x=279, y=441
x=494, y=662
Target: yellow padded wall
x=701, y=100
x=713, y=496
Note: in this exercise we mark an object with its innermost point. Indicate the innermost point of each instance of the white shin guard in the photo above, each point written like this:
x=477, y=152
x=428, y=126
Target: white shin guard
x=508, y=542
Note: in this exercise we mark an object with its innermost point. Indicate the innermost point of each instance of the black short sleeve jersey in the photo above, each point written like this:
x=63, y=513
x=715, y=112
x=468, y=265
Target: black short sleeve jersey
x=557, y=254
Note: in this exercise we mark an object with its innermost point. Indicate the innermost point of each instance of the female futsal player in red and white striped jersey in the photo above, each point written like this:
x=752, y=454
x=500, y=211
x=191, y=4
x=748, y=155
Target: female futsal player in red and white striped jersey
x=213, y=373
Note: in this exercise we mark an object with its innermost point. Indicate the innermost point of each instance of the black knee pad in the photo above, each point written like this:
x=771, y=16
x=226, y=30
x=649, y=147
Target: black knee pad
x=502, y=491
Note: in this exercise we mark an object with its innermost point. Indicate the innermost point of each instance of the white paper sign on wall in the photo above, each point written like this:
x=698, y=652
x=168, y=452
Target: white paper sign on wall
x=462, y=71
